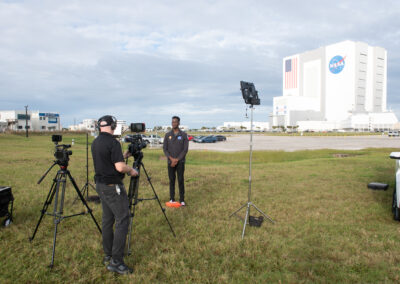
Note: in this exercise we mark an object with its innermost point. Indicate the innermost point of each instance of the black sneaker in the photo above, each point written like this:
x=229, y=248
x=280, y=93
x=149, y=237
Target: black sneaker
x=106, y=259
x=119, y=267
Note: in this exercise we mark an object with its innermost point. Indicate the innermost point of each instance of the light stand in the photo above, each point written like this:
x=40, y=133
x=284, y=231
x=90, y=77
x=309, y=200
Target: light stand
x=85, y=188
x=250, y=96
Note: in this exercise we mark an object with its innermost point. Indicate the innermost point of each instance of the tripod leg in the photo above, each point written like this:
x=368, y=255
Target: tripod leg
x=245, y=219
x=265, y=215
x=83, y=191
x=46, y=204
x=133, y=200
x=133, y=186
x=159, y=203
x=238, y=210
x=57, y=214
x=132, y=214
x=82, y=199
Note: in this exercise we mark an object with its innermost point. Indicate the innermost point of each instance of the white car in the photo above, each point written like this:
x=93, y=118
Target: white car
x=393, y=133
x=153, y=139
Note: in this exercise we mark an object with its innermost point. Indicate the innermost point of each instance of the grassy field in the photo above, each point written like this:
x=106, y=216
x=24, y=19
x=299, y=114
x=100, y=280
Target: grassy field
x=329, y=226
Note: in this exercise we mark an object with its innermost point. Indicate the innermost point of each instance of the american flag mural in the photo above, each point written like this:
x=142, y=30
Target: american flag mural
x=291, y=73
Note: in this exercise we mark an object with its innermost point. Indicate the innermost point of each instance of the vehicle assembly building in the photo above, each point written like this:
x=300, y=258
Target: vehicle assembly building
x=339, y=86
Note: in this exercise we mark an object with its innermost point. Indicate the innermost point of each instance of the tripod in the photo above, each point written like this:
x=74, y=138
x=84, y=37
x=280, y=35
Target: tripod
x=85, y=188
x=60, y=180
x=133, y=195
x=249, y=203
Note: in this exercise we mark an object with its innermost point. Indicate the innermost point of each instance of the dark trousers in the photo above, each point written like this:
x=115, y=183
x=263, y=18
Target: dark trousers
x=179, y=171
x=115, y=210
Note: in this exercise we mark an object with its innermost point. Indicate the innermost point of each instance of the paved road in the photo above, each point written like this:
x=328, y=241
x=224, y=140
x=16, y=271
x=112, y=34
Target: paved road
x=294, y=143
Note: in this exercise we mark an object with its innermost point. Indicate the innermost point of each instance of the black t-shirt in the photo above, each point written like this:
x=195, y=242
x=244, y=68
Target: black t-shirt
x=106, y=151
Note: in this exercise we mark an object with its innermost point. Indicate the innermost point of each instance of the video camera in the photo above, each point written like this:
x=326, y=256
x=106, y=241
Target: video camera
x=136, y=140
x=61, y=153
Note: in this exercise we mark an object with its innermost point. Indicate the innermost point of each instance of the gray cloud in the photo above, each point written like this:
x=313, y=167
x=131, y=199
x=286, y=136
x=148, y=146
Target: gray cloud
x=145, y=61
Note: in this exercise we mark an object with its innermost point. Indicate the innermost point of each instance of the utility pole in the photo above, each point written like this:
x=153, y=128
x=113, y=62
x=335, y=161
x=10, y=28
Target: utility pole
x=26, y=121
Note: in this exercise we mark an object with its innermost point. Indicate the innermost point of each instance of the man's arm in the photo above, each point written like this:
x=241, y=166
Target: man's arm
x=165, y=146
x=185, y=148
x=118, y=159
x=125, y=169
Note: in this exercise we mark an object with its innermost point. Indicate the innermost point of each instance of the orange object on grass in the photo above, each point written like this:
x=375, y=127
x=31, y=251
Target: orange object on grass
x=173, y=204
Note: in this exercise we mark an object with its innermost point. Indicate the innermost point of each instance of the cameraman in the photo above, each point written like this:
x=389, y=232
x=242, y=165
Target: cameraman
x=110, y=168
x=176, y=146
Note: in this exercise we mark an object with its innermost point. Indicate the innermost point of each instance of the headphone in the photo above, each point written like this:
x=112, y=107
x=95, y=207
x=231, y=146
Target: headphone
x=111, y=121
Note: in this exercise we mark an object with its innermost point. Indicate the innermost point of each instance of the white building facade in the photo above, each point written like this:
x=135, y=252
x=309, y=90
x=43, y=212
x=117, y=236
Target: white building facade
x=14, y=120
x=244, y=125
x=340, y=86
x=86, y=125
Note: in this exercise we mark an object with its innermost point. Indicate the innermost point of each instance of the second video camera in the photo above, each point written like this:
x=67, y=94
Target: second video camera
x=61, y=153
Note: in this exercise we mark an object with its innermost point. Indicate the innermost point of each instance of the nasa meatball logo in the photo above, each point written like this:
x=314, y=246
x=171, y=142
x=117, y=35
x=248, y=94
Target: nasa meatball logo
x=336, y=64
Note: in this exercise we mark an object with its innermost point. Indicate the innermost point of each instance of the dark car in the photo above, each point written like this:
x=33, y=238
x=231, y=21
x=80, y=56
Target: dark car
x=220, y=137
x=208, y=139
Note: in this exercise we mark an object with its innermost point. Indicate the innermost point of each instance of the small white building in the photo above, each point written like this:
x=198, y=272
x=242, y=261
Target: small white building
x=121, y=127
x=88, y=124
x=35, y=120
x=3, y=126
x=244, y=125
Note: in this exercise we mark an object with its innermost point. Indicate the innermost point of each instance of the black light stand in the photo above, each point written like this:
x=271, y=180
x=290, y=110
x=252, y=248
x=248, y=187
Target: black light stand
x=85, y=188
x=250, y=95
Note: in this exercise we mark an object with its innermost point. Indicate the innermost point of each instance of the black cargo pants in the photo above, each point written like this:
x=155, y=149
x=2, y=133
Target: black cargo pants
x=115, y=210
x=179, y=171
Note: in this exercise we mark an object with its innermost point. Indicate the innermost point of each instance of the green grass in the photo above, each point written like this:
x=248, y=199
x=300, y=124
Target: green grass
x=329, y=226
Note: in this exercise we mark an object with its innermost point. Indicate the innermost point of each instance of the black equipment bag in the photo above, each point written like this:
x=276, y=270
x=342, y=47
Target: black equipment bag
x=6, y=198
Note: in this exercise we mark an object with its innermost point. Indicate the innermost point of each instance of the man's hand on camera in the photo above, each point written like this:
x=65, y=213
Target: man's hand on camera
x=127, y=154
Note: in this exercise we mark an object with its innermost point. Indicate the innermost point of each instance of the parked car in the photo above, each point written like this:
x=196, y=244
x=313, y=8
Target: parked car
x=154, y=139
x=393, y=133
x=197, y=139
x=190, y=137
x=129, y=136
x=220, y=137
x=208, y=139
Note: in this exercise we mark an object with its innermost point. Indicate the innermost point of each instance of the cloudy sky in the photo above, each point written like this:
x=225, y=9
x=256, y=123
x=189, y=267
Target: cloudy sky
x=149, y=60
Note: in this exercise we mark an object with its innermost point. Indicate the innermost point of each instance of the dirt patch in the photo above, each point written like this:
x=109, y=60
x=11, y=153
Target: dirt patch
x=342, y=155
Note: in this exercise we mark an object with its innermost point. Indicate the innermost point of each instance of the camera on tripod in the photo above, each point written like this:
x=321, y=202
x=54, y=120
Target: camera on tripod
x=136, y=140
x=135, y=148
x=57, y=192
x=61, y=153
